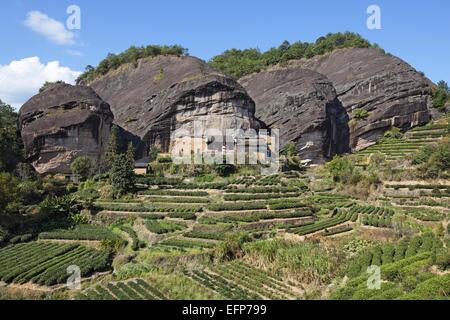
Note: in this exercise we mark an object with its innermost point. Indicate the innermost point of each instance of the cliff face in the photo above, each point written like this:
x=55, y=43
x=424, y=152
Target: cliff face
x=62, y=123
x=391, y=91
x=166, y=93
x=304, y=106
x=310, y=101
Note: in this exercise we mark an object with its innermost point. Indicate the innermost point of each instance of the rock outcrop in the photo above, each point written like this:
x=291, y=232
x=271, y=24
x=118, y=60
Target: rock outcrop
x=393, y=92
x=160, y=95
x=62, y=123
x=303, y=105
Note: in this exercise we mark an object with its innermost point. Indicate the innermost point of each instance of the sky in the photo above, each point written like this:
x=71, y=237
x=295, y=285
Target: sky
x=38, y=45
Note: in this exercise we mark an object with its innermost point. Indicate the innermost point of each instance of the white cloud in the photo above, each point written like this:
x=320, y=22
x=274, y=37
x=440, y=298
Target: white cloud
x=52, y=29
x=22, y=79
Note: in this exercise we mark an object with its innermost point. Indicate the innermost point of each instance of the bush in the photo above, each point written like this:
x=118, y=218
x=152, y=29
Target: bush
x=237, y=206
x=22, y=238
x=182, y=215
x=231, y=248
x=360, y=114
x=224, y=170
x=163, y=226
x=440, y=95
x=30, y=192
x=423, y=154
x=65, y=205
x=342, y=169
x=81, y=232
x=393, y=133
x=164, y=159
x=9, y=190
x=438, y=161
x=82, y=166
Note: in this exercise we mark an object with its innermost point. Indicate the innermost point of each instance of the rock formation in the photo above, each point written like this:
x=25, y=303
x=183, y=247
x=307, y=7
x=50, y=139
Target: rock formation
x=393, y=92
x=303, y=105
x=62, y=123
x=160, y=95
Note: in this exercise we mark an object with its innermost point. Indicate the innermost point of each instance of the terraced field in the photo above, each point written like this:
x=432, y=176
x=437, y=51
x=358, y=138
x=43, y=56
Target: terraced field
x=402, y=269
x=197, y=236
x=412, y=142
x=47, y=263
x=135, y=289
x=240, y=281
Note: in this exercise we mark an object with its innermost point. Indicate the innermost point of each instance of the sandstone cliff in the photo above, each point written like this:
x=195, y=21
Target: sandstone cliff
x=62, y=123
x=162, y=94
x=304, y=106
x=393, y=92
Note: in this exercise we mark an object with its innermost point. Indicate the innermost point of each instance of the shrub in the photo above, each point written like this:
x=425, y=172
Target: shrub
x=9, y=190
x=81, y=232
x=224, y=170
x=440, y=96
x=65, y=205
x=342, y=169
x=22, y=238
x=231, y=248
x=393, y=133
x=360, y=114
x=163, y=226
x=164, y=159
x=182, y=215
x=82, y=166
x=237, y=206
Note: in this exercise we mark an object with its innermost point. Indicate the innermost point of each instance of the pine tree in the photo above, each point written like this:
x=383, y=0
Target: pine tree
x=130, y=152
x=114, y=146
x=122, y=173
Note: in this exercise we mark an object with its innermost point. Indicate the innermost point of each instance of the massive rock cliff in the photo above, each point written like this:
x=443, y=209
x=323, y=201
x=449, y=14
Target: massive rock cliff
x=160, y=95
x=393, y=92
x=303, y=105
x=62, y=123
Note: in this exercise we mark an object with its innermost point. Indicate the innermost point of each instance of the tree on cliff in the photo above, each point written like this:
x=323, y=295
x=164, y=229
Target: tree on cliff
x=441, y=94
x=238, y=63
x=114, y=146
x=131, y=55
x=48, y=85
x=122, y=174
x=11, y=147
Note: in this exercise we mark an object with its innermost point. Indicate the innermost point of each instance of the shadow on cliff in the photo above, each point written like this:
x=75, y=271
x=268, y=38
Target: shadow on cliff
x=139, y=146
x=338, y=129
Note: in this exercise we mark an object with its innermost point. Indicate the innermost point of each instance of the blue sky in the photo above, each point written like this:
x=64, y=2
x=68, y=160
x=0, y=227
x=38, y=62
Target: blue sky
x=416, y=31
